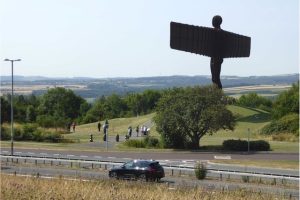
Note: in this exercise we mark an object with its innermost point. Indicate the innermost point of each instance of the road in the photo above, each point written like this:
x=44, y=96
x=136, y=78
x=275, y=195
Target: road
x=180, y=155
x=187, y=159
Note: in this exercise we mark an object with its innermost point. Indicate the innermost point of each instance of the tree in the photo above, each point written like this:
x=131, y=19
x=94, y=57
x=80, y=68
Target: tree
x=60, y=105
x=184, y=116
x=135, y=103
x=5, y=110
x=255, y=101
x=286, y=103
x=30, y=114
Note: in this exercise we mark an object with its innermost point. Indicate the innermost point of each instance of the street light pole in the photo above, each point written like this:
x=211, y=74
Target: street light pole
x=11, y=105
x=248, y=140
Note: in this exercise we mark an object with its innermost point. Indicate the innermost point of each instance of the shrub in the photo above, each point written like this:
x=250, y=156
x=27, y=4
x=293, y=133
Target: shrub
x=200, y=171
x=286, y=124
x=5, y=133
x=52, y=137
x=255, y=101
x=37, y=136
x=28, y=130
x=18, y=134
x=285, y=137
x=242, y=145
x=259, y=145
x=245, y=179
x=135, y=143
x=151, y=142
x=235, y=145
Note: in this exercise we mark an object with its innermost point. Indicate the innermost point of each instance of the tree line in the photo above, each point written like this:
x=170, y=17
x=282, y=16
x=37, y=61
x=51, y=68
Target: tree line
x=59, y=106
x=183, y=115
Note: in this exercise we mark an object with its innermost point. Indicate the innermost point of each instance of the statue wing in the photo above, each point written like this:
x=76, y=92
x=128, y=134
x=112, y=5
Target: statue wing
x=208, y=41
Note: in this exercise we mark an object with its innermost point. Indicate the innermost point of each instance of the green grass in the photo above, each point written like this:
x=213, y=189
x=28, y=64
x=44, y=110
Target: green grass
x=252, y=119
x=116, y=126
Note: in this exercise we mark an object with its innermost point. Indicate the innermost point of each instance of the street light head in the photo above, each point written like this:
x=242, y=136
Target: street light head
x=6, y=59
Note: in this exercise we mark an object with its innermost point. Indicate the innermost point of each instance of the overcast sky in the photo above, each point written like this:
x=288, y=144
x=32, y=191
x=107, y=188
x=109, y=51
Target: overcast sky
x=110, y=38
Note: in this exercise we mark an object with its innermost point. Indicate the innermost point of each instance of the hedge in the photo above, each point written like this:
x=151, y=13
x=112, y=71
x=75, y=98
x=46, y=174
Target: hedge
x=242, y=145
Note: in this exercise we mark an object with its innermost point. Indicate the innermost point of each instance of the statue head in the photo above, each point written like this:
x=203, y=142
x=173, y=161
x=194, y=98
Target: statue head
x=217, y=21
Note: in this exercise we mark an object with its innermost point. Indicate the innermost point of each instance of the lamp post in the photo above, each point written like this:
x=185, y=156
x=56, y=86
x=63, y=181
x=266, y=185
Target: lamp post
x=248, y=140
x=11, y=105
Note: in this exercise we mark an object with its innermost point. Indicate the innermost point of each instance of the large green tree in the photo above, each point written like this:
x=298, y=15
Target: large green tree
x=60, y=104
x=287, y=102
x=184, y=116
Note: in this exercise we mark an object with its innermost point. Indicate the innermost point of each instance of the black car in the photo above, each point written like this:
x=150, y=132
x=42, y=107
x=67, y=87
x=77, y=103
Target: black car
x=138, y=170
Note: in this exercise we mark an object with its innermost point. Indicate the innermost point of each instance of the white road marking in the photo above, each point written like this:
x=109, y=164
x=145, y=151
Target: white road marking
x=186, y=161
x=223, y=157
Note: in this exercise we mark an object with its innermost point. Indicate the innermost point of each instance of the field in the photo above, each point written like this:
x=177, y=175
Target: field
x=252, y=119
x=248, y=119
x=14, y=187
x=263, y=90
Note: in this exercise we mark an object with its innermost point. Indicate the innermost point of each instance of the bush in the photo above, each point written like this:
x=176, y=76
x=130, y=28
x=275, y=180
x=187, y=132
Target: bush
x=151, y=142
x=259, y=145
x=135, y=143
x=242, y=145
x=286, y=124
x=52, y=137
x=32, y=133
x=37, y=136
x=285, y=137
x=18, y=134
x=5, y=133
x=245, y=179
x=147, y=142
x=253, y=100
x=200, y=171
x=28, y=130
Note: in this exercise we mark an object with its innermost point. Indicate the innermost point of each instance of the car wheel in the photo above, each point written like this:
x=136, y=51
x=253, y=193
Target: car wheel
x=142, y=177
x=114, y=175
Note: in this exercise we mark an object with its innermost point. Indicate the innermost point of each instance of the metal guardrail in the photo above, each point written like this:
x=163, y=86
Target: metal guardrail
x=170, y=167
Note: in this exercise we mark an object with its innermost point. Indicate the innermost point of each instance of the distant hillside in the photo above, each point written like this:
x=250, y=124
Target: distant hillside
x=93, y=87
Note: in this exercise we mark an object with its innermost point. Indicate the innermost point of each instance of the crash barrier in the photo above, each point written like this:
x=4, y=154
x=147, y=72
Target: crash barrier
x=173, y=169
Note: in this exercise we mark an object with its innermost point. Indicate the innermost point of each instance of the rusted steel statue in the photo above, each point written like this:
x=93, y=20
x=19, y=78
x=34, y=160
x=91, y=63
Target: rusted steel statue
x=213, y=42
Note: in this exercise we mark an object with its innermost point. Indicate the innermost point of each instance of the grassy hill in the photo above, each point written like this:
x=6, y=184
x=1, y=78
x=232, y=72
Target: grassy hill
x=116, y=126
x=247, y=118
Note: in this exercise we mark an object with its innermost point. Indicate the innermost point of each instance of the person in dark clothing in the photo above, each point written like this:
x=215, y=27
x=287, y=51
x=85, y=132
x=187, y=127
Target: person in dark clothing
x=99, y=126
x=137, y=130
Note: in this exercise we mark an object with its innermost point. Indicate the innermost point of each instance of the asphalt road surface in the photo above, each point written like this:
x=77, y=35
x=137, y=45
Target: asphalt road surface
x=180, y=155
